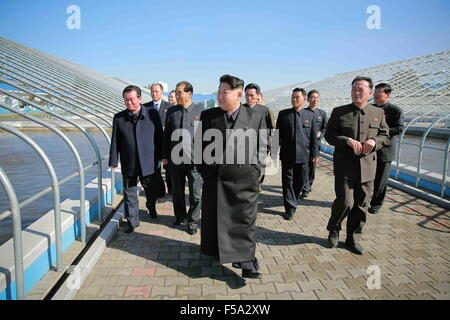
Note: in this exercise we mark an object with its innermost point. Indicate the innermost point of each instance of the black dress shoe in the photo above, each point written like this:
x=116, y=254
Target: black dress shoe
x=129, y=229
x=354, y=247
x=181, y=222
x=251, y=274
x=304, y=195
x=153, y=214
x=192, y=231
x=289, y=215
x=333, y=238
x=374, y=209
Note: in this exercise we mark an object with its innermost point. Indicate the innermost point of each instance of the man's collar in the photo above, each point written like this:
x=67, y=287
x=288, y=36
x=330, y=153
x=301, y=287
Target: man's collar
x=189, y=108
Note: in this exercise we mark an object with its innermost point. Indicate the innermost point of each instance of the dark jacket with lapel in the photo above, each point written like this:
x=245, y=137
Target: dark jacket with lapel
x=143, y=139
x=230, y=194
x=349, y=121
x=163, y=109
x=321, y=121
x=394, y=119
x=286, y=126
x=174, y=121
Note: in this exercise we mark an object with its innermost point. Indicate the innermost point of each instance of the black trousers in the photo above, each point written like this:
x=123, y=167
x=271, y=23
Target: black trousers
x=311, y=176
x=352, y=200
x=179, y=173
x=168, y=181
x=130, y=196
x=293, y=178
x=248, y=265
x=380, y=183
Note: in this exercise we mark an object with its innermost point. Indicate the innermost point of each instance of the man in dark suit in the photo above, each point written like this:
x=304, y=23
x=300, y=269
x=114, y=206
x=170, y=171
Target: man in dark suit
x=356, y=131
x=319, y=116
x=230, y=177
x=136, y=138
x=394, y=119
x=298, y=146
x=252, y=96
x=161, y=106
x=184, y=116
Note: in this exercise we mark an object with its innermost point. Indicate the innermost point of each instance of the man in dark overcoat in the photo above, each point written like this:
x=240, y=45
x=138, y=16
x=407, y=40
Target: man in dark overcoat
x=230, y=179
x=356, y=131
x=162, y=107
x=394, y=119
x=252, y=97
x=136, y=139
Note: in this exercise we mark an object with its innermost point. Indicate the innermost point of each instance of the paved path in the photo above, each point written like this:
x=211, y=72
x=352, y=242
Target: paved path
x=409, y=240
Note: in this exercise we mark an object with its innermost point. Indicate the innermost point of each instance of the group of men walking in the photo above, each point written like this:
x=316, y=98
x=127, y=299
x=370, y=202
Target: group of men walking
x=223, y=194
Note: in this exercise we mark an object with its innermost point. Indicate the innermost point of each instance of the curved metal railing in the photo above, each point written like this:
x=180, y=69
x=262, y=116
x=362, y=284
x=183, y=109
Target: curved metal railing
x=80, y=94
x=17, y=234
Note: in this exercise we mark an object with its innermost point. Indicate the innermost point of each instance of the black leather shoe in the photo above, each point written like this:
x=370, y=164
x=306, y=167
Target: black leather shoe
x=129, y=229
x=181, y=222
x=251, y=274
x=374, y=209
x=354, y=247
x=333, y=238
x=192, y=231
x=153, y=214
x=289, y=215
x=304, y=195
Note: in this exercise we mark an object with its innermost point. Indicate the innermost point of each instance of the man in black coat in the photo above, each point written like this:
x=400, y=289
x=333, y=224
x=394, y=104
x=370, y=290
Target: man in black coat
x=184, y=116
x=230, y=178
x=319, y=116
x=394, y=119
x=161, y=106
x=136, y=138
x=298, y=146
x=252, y=96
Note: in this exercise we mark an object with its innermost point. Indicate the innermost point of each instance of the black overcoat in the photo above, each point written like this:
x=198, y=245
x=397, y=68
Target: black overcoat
x=230, y=191
x=144, y=145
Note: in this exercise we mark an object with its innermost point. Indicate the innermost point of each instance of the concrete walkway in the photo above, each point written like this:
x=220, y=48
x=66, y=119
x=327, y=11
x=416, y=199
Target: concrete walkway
x=407, y=244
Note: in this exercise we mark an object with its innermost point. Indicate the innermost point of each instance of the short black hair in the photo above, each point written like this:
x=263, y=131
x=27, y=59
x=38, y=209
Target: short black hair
x=131, y=88
x=369, y=80
x=312, y=91
x=253, y=86
x=233, y=81
x=385, y=86
x=303, y=91
x=187, y=86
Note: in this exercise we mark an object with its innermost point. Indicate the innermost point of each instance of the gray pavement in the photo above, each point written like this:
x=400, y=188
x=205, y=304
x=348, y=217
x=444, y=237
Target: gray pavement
x=407, y=249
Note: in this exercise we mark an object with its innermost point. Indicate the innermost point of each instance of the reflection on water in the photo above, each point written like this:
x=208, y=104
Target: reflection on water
x=432, y=160
x=29, y=175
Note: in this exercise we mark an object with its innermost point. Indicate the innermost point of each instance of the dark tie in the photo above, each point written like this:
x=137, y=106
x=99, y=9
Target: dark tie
x=229, y=119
